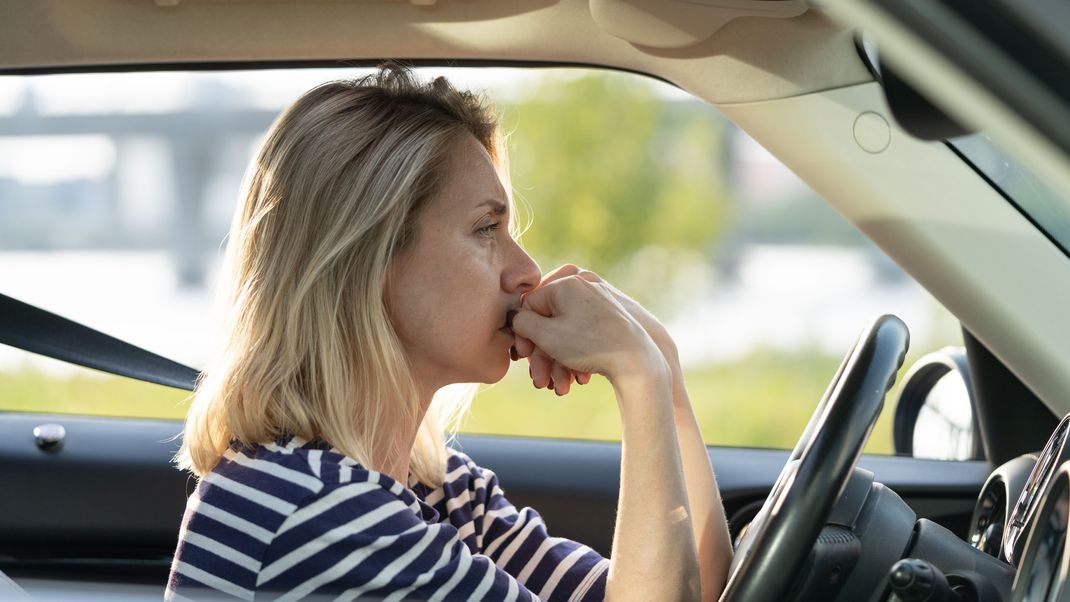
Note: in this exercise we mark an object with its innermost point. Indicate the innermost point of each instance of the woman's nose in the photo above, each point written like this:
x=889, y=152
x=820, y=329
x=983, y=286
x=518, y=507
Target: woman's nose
x=522, y=274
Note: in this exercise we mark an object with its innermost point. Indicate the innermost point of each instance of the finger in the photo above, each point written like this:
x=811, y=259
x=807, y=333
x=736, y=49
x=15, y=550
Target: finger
x=562, y=378
x=568, y=383
x=531, y=323
x=573, y=376
x=588, y=275
x=560, y=272
x=524, y=346
x=540, y=366
x=541, y=301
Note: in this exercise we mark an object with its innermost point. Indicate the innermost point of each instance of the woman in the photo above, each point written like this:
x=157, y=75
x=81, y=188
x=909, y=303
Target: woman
x=371, y=264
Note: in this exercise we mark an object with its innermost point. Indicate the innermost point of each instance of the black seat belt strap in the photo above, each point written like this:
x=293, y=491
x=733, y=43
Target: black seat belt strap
x=38, y=331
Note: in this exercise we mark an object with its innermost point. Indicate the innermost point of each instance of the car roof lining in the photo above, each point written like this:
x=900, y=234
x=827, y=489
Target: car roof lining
x=747, y=59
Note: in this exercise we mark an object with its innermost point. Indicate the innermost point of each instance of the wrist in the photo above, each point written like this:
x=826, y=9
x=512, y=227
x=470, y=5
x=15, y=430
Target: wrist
x=644, y=398
x=647, y=367
x=672, y=355
x=668, y=350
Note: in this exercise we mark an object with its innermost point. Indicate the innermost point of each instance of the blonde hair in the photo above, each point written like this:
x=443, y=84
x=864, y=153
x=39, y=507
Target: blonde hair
x=331, y=199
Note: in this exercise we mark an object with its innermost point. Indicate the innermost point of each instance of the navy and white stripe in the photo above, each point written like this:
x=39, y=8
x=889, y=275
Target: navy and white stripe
x=297, y=520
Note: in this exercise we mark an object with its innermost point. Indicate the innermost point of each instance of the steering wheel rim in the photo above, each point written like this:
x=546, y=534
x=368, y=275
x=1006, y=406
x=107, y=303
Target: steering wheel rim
x=777, y=542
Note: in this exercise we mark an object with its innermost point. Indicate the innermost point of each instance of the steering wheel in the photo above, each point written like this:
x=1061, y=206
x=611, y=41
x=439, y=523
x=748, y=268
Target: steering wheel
x=776, y=544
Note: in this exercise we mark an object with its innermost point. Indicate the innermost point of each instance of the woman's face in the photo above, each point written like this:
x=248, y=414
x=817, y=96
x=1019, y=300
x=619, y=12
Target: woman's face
x=449, y=292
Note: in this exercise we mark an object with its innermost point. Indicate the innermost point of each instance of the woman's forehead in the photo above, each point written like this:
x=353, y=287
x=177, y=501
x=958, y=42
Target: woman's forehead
x=472, y=183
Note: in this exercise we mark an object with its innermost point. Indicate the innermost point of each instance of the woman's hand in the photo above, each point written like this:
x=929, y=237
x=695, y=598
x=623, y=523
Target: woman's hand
x=545, y=372
x=584, y=328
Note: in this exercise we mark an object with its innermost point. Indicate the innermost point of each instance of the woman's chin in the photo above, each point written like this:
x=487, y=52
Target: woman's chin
x=497, y=369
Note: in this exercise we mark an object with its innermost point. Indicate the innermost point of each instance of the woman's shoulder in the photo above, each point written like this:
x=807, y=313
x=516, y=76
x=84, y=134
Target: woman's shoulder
x=465, y=482
x=290, y=474
x=316, y=460
x=463, y=472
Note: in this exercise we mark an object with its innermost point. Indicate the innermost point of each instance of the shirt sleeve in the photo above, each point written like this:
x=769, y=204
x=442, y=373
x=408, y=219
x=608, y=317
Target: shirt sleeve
x=554, y=568
x=359, y=540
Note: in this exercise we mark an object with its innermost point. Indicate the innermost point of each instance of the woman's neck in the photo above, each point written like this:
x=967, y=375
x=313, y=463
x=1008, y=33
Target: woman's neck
x=397, y=468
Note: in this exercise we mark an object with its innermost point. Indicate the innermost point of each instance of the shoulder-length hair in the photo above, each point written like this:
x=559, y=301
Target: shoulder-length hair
x=331, y=199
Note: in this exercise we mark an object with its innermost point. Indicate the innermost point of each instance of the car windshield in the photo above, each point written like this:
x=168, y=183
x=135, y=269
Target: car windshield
x=1046, y=208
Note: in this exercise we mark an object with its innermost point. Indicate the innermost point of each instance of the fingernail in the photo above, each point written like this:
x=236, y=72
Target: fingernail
x=513, y=354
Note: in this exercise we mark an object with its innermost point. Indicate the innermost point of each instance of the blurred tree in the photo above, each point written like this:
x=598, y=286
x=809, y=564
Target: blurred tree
x=620, y=180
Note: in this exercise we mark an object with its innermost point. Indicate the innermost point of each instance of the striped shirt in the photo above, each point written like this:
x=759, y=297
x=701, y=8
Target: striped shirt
x=297, y=520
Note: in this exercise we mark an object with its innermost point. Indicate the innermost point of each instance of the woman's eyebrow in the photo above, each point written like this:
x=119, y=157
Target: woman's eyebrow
x=497, y=207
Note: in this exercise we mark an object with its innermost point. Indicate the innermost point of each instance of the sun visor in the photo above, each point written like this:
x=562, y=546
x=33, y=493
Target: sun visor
x=681, y=23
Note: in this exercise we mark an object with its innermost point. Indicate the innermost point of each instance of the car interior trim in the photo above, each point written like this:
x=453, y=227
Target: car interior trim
x=956, y=249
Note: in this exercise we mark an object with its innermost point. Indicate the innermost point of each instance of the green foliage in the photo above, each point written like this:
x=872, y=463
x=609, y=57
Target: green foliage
x=618, y=179
x=89, y=393
x=764, y=400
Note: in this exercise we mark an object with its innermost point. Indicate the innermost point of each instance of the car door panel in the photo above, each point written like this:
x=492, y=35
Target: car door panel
x=574, y=484
x=109, y=502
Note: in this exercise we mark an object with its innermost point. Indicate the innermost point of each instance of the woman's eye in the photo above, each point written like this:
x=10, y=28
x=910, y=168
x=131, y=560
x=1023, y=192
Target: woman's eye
x=488, y=230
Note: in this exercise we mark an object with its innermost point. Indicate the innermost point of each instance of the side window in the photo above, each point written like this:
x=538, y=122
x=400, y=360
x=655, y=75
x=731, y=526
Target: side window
x=763, y=286
x=116, y=191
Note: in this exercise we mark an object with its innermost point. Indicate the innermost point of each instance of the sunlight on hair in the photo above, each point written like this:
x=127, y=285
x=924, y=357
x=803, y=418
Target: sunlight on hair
x=309, y=349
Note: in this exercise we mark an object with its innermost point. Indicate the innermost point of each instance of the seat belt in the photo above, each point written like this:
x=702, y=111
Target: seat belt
x=38, y=331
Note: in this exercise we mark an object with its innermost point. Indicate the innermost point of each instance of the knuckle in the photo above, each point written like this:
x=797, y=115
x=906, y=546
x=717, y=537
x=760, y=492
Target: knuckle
x=588, y=274
x=573, y=286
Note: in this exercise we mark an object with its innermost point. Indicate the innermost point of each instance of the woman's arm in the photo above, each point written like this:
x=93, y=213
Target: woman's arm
x=708, y=522
x=653, y=555
x=583, y=327
x=710, y=529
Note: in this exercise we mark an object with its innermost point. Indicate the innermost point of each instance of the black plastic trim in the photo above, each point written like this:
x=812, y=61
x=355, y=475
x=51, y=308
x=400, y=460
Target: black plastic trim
x=996, y=27
x=255, y=65
x=1012, y=419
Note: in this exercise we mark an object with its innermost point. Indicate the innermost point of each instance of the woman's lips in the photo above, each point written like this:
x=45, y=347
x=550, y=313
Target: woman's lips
x=508, y=328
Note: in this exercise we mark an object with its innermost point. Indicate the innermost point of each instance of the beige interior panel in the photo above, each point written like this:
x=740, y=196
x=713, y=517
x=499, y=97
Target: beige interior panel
x=939, y=220
x=747, y=59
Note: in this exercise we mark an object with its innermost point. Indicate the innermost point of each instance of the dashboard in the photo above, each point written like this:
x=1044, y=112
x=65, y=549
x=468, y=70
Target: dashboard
x=1021, y=517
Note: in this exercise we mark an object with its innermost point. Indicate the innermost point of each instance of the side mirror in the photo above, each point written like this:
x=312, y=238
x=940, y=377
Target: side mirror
x=934, y=411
